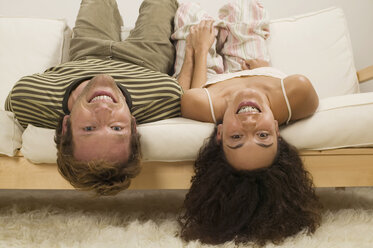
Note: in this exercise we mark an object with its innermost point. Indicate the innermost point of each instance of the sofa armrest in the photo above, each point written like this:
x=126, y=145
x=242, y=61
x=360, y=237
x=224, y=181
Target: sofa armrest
x=365, y=74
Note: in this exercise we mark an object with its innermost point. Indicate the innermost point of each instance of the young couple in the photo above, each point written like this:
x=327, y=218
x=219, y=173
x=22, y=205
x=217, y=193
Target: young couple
x=249, y=184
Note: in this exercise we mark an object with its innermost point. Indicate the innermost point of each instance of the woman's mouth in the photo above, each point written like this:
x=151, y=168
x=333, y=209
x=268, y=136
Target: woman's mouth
x=248, y=107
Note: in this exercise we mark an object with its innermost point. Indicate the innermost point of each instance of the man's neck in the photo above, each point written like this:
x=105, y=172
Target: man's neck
x=76, y=93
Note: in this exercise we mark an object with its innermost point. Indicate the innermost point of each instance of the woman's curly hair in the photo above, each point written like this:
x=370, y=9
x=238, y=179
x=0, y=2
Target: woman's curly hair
x=267, y=204
x=102, y=177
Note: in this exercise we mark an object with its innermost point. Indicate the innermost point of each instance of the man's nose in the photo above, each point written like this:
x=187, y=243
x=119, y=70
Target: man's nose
x=103, y=78
x=103, y=111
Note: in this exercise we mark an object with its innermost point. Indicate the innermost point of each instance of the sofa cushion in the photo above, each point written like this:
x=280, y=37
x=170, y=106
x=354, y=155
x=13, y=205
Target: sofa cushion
x=177, y=139
x=38, y=145
x=10, y=134
x=340, y=121
x=318, y=46
x=28, y=45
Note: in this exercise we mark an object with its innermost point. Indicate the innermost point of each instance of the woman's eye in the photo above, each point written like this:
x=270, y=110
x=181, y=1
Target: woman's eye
x=236, y=136
x=116, y=128
x=87, y=129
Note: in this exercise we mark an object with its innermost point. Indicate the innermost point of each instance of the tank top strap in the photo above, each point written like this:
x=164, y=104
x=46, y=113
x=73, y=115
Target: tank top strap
x=286, y=100
x=211, y=106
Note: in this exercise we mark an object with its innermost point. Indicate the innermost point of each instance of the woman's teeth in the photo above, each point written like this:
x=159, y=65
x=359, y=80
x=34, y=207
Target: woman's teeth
x=248, y=109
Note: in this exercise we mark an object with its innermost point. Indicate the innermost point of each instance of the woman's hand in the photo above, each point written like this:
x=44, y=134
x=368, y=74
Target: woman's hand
x=202, y=36
x=250, y=64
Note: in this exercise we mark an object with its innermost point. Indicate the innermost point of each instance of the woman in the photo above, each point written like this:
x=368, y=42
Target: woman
x=249, y=184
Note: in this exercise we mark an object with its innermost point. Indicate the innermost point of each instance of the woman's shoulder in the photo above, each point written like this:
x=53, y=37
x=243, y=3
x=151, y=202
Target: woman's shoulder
x=195, y=105
x=302, y=96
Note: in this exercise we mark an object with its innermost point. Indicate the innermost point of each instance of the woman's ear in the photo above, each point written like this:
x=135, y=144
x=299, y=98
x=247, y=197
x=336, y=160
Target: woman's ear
x=277, y=129
x=64, y=124
x=219, y=133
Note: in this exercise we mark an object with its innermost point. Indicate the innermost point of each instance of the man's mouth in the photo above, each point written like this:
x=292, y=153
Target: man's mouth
x=248, y=107
x=102, y=97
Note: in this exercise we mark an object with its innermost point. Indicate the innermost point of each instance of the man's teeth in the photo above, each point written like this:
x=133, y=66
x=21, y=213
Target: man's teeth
x=102, y=98
x=248, y=109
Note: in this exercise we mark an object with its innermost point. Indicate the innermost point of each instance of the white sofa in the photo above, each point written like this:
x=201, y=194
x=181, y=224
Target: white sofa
x=334, y=143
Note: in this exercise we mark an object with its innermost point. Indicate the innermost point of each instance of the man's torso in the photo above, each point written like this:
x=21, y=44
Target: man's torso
x=37, y=99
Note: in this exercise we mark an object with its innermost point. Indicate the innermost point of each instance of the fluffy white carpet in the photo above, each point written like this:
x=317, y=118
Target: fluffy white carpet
x=148, y=219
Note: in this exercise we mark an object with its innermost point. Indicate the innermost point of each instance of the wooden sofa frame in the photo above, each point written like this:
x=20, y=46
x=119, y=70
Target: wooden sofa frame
x=345, y=167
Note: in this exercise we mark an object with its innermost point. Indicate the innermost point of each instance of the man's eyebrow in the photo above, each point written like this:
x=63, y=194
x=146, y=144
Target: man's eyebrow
x=87, y=134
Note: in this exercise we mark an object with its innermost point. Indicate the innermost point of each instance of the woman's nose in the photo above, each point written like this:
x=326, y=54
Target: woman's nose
x=248, y=120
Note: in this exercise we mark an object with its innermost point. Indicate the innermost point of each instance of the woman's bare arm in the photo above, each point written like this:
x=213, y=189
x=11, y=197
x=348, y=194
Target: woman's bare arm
x=202, y=38
x=250, y=64
x=186, y=72
x=195, y=106
x=193, y=73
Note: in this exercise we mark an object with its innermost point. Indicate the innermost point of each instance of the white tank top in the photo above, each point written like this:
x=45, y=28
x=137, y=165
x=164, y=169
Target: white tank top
x=261, y=71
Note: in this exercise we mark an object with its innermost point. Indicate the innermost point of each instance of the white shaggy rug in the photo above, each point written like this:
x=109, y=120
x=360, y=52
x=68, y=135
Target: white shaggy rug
x=148, y=219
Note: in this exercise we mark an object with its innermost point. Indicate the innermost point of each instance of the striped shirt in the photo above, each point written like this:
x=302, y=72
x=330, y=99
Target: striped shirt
x=37, y=99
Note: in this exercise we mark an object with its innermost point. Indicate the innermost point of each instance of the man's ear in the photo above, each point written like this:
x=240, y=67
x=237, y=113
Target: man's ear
x=219, y=133
x=64, y=124
x=133, y=123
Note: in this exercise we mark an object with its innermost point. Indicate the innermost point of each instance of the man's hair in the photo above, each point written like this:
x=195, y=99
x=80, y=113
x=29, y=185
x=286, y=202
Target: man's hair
x=103, y=177
x=261, y=205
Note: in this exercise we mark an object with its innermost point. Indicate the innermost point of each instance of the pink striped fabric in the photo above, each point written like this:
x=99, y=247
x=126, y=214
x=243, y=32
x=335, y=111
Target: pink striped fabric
x=188, y=15
x=242, y=28
x=245, y=34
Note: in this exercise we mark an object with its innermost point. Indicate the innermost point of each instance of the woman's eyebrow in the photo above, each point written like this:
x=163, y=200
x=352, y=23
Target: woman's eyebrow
x=264, y=145
x=235, y=147
x=259, y=144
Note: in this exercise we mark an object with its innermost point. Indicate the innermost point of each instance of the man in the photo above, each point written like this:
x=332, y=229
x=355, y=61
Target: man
x=96, y=99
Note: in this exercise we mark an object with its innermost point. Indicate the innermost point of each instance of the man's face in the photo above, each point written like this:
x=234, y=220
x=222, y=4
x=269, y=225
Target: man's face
x=101, y=122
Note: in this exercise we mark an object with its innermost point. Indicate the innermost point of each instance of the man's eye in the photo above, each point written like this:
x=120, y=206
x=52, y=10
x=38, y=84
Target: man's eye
x=263, y=135
x=116, y=128
x=87, y=129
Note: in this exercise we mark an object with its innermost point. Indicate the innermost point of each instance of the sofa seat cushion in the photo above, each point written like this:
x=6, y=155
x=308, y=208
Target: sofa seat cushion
x=340, y=121
x=10, y=134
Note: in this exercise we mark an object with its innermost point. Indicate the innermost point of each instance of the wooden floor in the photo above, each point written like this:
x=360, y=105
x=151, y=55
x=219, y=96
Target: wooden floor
x=351, y=167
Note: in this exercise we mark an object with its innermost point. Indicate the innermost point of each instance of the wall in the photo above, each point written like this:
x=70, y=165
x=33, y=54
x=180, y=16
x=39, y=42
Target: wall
x=358, y=15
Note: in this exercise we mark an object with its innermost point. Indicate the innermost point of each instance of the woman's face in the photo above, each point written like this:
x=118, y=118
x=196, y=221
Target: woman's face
x=249, y=131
